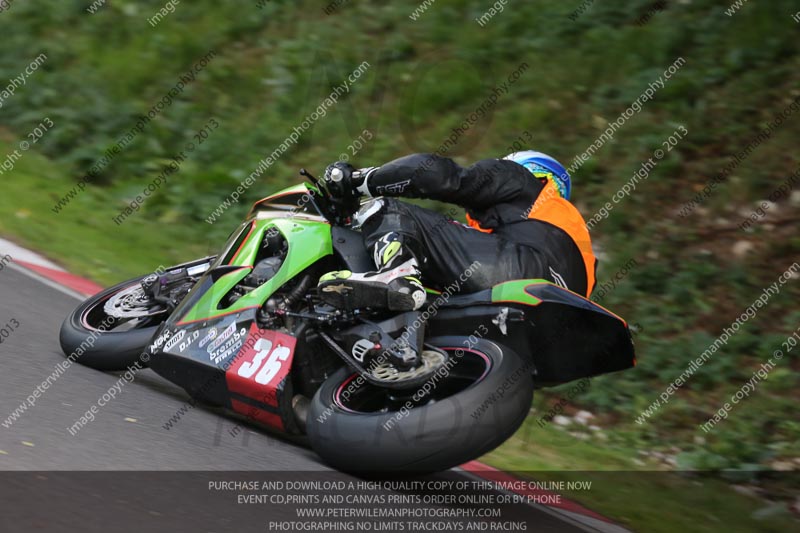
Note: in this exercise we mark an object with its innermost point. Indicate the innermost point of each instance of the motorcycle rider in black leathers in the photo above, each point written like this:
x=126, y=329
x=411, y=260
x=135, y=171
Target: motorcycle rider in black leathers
x=521, y=226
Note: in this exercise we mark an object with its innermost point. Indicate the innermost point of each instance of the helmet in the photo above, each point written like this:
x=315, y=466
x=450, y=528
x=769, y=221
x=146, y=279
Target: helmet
x=544, y=167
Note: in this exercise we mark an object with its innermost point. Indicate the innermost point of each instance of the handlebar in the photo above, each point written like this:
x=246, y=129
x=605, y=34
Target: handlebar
x=337, y=211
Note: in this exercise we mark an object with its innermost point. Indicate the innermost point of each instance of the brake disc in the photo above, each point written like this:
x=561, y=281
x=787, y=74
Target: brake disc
x=431, y=361
x=131, y=303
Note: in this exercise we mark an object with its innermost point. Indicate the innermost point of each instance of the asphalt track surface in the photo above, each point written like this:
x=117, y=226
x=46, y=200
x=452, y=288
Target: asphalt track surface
x=128, y=435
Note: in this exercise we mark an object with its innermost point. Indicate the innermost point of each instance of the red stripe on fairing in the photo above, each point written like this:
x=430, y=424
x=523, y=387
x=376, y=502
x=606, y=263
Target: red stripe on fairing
x=490, y=473
x=247, y=237
x=254, y=413
x=214, y=317
x=274, y=197
x=206, y=318
x=76, y=283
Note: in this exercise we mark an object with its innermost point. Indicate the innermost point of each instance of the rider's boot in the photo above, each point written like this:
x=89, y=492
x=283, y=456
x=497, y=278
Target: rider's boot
x=394, y=286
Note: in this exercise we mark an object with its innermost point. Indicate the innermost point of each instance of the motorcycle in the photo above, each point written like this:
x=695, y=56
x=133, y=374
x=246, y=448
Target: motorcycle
x=373, y=390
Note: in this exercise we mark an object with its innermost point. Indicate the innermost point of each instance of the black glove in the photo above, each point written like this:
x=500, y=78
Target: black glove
x=339, y=179
x=341, y=185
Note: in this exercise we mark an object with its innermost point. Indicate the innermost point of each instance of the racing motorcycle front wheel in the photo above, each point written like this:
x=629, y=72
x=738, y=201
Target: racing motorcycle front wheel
x=94, y=338
x=476, y=402
x=110, y=330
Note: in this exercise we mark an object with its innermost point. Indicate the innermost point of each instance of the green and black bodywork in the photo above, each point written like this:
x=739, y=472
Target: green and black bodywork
x=244, y=330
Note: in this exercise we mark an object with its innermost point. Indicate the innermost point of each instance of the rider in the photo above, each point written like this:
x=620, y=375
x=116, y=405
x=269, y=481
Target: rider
x=521, y=225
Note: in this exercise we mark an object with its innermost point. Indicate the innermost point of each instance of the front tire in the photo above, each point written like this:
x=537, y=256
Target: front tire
x=348, y=428
x=88, y=337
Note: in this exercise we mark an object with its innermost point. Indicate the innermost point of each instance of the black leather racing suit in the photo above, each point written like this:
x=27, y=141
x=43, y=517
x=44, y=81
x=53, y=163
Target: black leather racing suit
x=495, y=192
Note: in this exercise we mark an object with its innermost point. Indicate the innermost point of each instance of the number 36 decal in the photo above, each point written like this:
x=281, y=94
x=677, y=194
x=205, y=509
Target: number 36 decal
x=266, y=363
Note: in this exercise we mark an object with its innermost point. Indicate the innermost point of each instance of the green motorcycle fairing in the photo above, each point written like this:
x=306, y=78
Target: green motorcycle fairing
x=308, y=237
x=569, y=336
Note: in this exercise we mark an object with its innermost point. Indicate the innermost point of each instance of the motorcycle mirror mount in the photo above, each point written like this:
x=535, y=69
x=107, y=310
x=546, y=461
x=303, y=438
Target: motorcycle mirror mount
x=323, y=203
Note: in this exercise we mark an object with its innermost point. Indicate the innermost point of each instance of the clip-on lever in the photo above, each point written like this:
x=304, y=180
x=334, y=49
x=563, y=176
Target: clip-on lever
x=306, y=174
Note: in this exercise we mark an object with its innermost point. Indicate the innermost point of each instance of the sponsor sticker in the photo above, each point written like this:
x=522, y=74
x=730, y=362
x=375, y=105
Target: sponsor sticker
x=225, y=335
x=175, y=340
x=231, y=347
x=160, y=341
x=189, y=340
x=210, y=336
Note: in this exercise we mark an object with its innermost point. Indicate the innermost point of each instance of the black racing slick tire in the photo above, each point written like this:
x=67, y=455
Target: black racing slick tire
x=350, y=429
x=84, y=341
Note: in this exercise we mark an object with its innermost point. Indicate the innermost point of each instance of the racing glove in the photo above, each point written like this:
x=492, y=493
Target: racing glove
x=340, y=178
x=344, y=180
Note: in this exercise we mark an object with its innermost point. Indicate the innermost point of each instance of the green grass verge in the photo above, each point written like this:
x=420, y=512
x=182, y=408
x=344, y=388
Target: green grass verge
x=83, y=237
x=632, y=493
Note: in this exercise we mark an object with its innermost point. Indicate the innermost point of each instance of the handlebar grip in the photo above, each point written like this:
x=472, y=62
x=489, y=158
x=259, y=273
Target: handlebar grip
x=336, y=175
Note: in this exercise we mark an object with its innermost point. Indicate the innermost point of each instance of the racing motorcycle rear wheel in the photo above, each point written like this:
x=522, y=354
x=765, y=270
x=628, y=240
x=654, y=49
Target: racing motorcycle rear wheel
x=462, y=412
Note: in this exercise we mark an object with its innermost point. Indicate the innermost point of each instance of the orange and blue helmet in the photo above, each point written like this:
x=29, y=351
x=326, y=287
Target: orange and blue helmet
x=544, y=167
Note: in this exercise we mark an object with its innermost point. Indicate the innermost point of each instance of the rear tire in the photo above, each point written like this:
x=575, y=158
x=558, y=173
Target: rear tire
x=431, y=437
x=109, y=350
